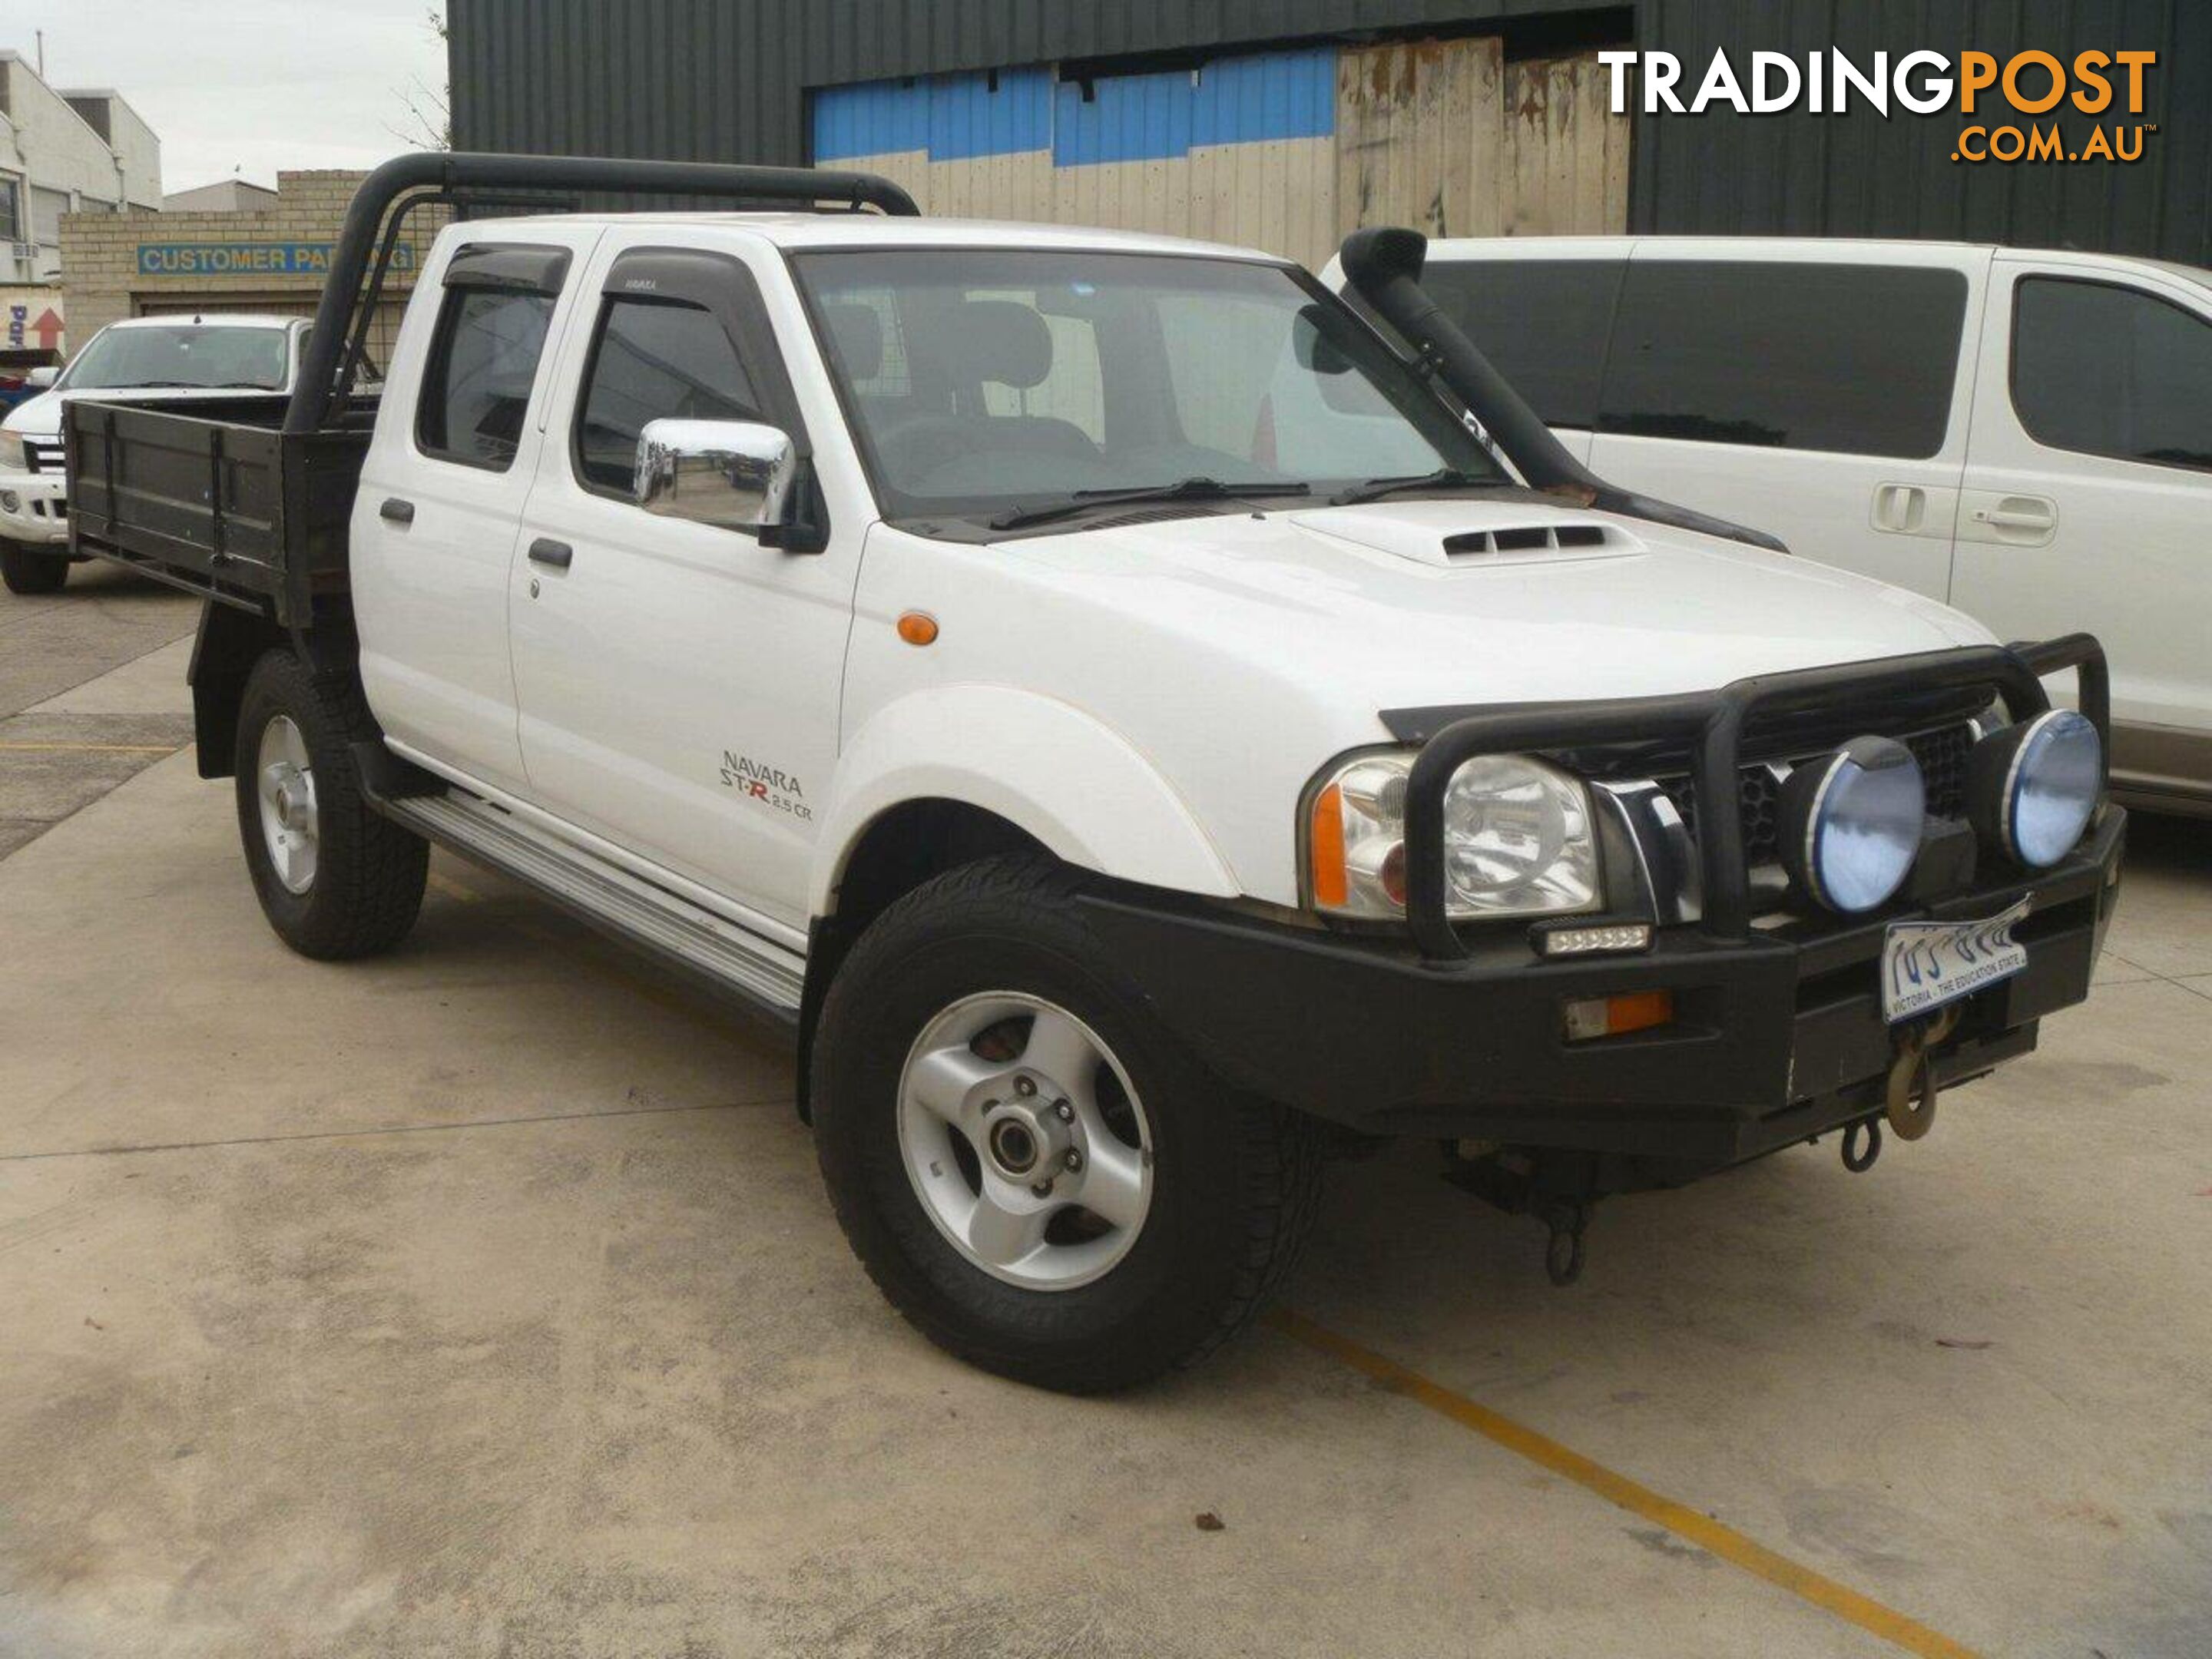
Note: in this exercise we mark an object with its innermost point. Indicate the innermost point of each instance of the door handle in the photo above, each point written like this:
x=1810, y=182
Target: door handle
x=2038, y=516
x=546, y=551
x=395, y=511
x=1999, y=518
x=1901, y=509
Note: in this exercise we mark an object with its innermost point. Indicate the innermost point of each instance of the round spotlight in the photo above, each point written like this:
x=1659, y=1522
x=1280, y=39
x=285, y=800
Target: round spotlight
x=2031, y=787
x=1852, y=824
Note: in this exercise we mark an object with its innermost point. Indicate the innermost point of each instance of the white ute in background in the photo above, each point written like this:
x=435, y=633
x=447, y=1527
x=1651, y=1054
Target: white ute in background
x=185, y=358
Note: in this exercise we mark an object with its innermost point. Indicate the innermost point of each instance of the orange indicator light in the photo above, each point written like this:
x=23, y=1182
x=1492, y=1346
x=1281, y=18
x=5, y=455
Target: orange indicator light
x=1331, y=882
x=1602, y=1017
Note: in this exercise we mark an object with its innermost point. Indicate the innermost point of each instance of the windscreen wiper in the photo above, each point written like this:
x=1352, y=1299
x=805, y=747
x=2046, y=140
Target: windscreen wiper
x=1188, y=489
x=1444, y=477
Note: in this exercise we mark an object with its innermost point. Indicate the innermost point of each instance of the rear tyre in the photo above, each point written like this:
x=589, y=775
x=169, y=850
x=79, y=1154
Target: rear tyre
x=29, y=572
x=1037, y=1175
x=335, y=879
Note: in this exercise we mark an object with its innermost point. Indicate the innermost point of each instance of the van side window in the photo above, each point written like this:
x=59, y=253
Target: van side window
x=653, y=360
x=1543, y=323
x=1857, y=360
x=476, y=387
x=2105, y=370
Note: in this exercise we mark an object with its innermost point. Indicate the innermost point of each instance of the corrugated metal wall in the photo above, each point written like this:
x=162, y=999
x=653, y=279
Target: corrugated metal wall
x=729, y=79
x=1242, y=150
x=1860, y=176
x=1283, y=150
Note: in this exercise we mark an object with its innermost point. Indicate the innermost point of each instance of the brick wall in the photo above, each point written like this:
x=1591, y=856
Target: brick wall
x=113, y=263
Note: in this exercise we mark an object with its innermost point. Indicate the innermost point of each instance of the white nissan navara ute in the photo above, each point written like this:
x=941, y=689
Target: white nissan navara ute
x=1140, y=730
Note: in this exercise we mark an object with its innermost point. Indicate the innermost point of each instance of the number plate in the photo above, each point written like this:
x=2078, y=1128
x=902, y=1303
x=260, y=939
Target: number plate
x=1925, y=965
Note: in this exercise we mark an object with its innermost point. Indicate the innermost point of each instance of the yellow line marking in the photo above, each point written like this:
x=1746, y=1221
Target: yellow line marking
x=92, y=748
x=1715, y=1537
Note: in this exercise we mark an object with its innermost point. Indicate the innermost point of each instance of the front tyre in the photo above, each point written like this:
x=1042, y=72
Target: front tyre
x=1036, y=1174
x=27, y=571
x=335, y=879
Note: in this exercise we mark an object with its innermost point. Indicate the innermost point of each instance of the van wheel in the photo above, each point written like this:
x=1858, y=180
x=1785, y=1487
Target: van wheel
x=335, y=879
x=28, y=572
x=1034, y=1172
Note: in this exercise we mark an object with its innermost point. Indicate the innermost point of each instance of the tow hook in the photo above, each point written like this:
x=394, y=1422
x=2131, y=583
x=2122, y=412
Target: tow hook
x=1523, y=1186
x=1562, y=1250
x=1861, y=1144
x=1909, y=1100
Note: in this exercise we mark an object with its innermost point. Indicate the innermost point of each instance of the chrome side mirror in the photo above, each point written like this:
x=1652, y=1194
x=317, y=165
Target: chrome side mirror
x=733, y=474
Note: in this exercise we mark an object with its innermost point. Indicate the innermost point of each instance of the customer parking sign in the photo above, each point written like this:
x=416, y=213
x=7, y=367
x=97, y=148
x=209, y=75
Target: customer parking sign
x=248, y=258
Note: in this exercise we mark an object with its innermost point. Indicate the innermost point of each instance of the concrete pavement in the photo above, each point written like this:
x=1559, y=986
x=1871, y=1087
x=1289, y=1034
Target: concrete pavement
x=88, y=696
x=483, y=1300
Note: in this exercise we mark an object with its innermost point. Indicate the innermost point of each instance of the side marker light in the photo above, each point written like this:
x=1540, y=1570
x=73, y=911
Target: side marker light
x=1604, y=1017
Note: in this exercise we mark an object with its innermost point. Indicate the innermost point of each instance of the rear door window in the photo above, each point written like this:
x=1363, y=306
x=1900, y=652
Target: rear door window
x=1543, y=323
x=1853, y=359
x=2104, y=369
x=475, y=387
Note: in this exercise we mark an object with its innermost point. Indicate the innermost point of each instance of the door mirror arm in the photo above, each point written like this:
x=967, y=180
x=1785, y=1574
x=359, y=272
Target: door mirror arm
x=731, y=475
x=806, y=526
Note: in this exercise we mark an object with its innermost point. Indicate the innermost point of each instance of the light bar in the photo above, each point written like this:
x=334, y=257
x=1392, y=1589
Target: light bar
x=1590, y=939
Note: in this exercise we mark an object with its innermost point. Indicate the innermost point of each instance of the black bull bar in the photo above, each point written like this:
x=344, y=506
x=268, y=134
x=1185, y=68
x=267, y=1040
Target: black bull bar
x=1712, y=724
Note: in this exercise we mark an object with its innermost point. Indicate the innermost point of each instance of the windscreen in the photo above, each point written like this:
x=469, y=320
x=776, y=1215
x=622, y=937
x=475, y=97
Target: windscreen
x=981, y=378
x=196, y=355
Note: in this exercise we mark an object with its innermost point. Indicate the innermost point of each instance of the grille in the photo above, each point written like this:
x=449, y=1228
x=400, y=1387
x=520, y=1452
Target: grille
x=44, y=455
x=1941, y=754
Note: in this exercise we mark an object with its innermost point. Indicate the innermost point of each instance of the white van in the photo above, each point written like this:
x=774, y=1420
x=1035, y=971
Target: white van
x=2028, y=436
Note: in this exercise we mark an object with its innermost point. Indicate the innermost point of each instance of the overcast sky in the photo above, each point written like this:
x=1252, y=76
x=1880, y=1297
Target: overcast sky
x=246, y=86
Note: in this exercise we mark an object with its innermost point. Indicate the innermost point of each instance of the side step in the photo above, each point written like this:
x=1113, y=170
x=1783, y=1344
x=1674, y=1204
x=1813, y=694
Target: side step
x=625, y=907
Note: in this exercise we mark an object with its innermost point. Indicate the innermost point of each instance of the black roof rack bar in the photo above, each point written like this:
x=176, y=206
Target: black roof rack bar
x=464, y=203
x=446, y=172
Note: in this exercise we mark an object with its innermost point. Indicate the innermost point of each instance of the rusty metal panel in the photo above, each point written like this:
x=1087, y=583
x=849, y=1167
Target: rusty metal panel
x=1419, y=132
x=1566, y=155
x=1451, y=138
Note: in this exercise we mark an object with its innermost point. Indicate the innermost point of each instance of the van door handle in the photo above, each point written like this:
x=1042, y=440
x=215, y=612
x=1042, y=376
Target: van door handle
x=546, y=551
x=395, y=511
x=1901, y=509
x=2036, y=515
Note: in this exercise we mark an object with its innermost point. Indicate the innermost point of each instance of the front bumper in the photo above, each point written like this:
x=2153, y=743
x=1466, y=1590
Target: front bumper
x=34, y=509
x=1776, y=1031
x=1777, y=1036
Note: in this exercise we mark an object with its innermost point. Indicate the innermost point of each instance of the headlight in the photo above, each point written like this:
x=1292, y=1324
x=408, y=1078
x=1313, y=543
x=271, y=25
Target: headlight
x=1852, y=824
x=2031, y=787
x=1517, y=840
x=13, y=457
